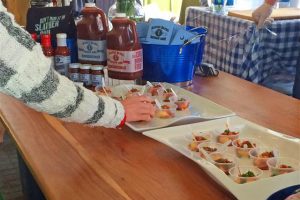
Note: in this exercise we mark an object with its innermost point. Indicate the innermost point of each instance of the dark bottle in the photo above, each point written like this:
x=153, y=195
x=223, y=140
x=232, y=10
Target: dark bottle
x=91, y=35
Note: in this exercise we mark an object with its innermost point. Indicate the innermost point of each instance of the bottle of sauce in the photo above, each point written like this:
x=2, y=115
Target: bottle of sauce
x=124, y=52
x=91, y=35
x=47, y=47
x=62, y=54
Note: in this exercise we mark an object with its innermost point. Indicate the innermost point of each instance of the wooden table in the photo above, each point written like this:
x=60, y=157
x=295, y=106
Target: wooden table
x=72, y=161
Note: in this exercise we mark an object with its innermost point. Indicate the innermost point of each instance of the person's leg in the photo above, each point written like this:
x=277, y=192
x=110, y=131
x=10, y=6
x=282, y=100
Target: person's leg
x=2, y=130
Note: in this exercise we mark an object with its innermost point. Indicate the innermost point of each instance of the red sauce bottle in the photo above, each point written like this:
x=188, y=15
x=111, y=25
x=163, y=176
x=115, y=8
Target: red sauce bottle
x=91, y=35
x=62, y=54
x=47, y=47
x=124, y=52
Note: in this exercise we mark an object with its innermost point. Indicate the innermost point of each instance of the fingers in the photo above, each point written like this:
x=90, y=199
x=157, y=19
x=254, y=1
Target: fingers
x=260, y=23
x=138, y=108
x=139, y=98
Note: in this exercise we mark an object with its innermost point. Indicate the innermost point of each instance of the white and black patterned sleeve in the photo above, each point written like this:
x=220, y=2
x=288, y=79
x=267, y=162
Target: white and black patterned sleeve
x=25, y=74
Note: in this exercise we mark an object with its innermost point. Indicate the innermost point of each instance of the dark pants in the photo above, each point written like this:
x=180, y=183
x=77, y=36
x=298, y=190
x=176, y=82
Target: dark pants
x=30, y=188
x=296, y=89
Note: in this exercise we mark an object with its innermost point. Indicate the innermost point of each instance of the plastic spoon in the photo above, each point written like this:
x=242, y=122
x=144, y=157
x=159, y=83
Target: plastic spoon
x=157, y=103
x=206, y=155
x=150, y=84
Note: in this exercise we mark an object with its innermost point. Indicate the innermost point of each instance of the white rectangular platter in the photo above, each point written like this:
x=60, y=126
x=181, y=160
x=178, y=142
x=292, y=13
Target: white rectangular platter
x=175, y=137
x=201, y=109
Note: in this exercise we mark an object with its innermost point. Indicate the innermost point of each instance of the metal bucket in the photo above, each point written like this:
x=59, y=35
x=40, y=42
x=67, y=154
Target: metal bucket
x=173, y=63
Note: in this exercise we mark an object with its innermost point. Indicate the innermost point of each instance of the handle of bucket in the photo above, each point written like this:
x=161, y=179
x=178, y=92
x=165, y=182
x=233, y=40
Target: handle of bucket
x=189, y=41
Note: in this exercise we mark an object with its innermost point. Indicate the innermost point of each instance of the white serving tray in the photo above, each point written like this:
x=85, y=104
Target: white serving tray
x=201, y=109
x=261, y=189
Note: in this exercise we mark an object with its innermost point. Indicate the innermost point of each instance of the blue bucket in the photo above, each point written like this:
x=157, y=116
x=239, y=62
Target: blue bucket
x=173, y=63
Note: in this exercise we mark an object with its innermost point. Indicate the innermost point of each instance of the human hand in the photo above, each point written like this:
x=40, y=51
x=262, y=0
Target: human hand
x=262, y=14
x=138, y=108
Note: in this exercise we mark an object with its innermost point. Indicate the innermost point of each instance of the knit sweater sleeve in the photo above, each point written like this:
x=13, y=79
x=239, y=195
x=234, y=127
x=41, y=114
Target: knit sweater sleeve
x=25, y=74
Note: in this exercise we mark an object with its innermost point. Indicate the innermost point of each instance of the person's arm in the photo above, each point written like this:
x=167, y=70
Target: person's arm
x=25, y=73
x=262, y=13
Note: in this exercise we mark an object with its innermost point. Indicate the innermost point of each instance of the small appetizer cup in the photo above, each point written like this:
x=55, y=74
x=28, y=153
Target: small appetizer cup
x=133, y=92
x=165, y=94
x=282, y=165
x=153, y=91
x=182, y=102
x=242, y=146
x=245, y=174
x=261, y=155
x=228, y=134
x=223, y=161
x=196, y=138
x=166, y=111
x=210, y=147
x=104, y=91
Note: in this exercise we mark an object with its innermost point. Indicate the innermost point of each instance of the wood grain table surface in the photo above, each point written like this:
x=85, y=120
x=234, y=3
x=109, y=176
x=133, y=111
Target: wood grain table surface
x=76, y=162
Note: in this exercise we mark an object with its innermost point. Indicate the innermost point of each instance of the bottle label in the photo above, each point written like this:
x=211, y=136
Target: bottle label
x=91, y=50
x=74, y=77
x=97, y=80
x=125, y=61
x=86, y=79
x=62, y=64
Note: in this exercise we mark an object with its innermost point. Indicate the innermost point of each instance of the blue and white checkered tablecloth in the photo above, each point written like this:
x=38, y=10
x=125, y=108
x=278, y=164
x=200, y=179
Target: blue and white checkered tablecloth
x=235, y=45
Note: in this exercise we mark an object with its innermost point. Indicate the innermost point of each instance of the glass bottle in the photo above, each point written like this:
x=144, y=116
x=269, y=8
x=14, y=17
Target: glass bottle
x=62, y=54
x=131, y=8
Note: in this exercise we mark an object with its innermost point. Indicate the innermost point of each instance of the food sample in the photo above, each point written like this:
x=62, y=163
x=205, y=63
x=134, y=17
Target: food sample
x=196, y=138
x=227, y=135
x=154, y=89
x=103, y=91
x=133, y=92
x=182, y=103
x=282, y=165
x=167, y=93
x=166, y=111
x=243, y=146
x=210, y=147
x=260, y=157
x=223, y=161
x=245, y=174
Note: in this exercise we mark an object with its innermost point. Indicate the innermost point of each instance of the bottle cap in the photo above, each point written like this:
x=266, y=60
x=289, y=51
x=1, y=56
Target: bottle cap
x=61, y=35
x=97, y=67
x=120, y=15
x=74, y=65
x=85, y=66
x=89, y=5
x=46, y=40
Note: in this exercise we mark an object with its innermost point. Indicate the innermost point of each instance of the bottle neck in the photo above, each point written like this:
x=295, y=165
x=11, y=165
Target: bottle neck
x=61, y=42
